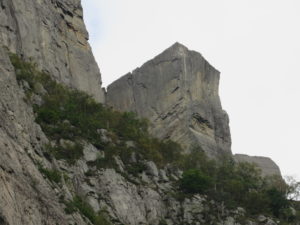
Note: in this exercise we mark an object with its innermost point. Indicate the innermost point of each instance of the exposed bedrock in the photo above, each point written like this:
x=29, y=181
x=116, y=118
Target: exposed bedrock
x=178, y=92
x=53, y=34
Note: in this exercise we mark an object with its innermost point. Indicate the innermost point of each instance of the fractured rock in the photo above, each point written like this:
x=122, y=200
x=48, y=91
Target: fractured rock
x=178, y=92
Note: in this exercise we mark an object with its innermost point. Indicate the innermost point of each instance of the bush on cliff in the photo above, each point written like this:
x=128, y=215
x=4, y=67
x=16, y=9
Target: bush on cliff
x=194, y=181
x=234, y=184
x=73, y=115
x=69, y=114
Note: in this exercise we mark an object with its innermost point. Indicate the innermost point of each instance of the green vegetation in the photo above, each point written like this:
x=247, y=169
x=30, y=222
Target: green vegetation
x=194, y=181
x=73, y=116
x=162, y=222
x=52, y=175
x=69, y=152
x=235, y=184
x=78, y=204
x=135, y=168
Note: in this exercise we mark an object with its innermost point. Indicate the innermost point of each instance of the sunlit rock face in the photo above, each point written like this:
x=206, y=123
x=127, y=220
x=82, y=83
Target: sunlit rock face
x=53, y=34
x=178, y=92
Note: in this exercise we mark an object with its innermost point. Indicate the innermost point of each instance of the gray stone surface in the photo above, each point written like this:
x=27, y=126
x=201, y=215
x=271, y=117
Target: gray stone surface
x=178, y=92
x=26, y=198
x=91, y=153
x=182, y=94
x=53, y=34
x=268, y=166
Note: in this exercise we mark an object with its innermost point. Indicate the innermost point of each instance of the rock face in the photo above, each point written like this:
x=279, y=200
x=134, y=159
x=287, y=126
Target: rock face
x=268, y=166
x=178, y=92
x=25, y=196
x=53, y=34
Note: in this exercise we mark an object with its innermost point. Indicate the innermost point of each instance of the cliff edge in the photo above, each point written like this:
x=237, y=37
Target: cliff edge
x=52, y=34
x=178, y=92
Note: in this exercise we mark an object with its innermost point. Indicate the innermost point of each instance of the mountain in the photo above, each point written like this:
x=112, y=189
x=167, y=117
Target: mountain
x=73, y=154
x=178, y=92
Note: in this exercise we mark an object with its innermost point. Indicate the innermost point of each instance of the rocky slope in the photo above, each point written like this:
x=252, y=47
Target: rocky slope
x=25, y=196
x=53, y=34
x=32, y=194
x=41, y=188
x=178, y=92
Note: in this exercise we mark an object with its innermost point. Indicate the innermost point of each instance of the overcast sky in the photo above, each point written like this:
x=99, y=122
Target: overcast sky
x=254, y=43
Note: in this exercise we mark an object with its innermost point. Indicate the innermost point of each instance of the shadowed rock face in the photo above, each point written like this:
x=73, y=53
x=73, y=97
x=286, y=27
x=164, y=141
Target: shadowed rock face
x=25, y=196
x=268, y=166
x=178, y=92
x=53, y=34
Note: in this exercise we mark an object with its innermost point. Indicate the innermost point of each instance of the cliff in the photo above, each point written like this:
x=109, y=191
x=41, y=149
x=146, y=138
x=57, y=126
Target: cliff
x=52, y=34
x=66, y=159
x=178, y=92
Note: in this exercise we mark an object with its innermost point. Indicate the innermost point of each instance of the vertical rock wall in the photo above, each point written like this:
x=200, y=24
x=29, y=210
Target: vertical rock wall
x=25, y=196
x=53, y=34
x=178, y=92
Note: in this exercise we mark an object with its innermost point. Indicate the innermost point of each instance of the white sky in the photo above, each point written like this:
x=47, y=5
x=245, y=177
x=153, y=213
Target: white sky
x=254, y=43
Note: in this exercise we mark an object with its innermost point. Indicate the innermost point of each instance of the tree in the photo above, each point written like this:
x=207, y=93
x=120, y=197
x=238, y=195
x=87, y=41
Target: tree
x=194, y=181
x=293, y=188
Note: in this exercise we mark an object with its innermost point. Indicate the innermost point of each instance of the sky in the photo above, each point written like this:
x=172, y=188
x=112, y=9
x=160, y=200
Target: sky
x=255, y=44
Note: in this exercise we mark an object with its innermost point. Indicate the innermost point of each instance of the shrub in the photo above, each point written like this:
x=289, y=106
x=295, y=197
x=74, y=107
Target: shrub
x=256, y=203
x=73, y=115
x=135, y=168
x=68, y=152
x=194, y=181
x=85, y=209
x=278, y=201
x=197, y=159
x=52, y=175
x=163, y=222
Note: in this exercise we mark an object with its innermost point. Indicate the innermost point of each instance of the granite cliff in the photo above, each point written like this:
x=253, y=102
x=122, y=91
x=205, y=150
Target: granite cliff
x=178, y=92
x=60, y=168
x=52, y=34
